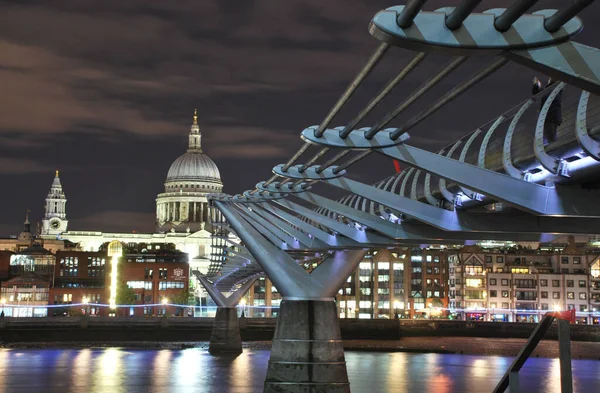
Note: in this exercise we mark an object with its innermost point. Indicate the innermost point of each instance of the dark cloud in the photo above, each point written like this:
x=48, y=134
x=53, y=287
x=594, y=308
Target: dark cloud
x=105, y=90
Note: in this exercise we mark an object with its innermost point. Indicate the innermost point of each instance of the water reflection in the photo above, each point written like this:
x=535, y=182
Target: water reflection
x=194, y=370
x=108, y=372
x=81, y=375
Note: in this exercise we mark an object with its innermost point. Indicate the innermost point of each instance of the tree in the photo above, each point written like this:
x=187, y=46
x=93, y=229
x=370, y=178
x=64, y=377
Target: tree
x=181, y=298
x=125, y=295
x=436, y=302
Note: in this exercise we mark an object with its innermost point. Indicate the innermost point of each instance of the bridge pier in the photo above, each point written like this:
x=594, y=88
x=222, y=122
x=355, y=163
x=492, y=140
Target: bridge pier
x=307, y=354
x=225, y=338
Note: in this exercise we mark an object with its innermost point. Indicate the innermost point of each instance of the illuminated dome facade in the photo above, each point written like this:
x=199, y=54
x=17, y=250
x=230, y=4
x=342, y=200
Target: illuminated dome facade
x=183, y=206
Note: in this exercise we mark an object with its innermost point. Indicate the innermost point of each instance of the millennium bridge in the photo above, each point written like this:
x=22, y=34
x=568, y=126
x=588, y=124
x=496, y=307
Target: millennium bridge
x=525, y=175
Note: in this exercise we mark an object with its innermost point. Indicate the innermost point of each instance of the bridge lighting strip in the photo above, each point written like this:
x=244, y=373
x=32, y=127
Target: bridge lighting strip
x=208, y=308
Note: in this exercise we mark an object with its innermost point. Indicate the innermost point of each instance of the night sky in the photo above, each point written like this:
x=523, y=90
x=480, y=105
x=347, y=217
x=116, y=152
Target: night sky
x=104, y=91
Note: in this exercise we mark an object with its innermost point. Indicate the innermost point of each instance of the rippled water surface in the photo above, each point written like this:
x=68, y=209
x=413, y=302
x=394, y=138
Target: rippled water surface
x=194, y=370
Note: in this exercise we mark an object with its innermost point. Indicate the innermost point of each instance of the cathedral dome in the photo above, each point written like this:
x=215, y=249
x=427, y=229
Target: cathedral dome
x=194, y=166
x=183, y=207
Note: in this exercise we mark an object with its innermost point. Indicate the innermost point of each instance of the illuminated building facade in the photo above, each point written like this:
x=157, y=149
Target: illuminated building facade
x=183, y=217
x=80, y=277
x=403, y=283
x=519, y=285
x=183, y=206
x=83, y=282
x=156, y=274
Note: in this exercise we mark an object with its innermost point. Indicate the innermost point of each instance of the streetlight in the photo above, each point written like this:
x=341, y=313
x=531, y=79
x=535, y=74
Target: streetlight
x=396, y=308
x=243, y=304
x=85, y=302
x=3, y=301
x=165, y=301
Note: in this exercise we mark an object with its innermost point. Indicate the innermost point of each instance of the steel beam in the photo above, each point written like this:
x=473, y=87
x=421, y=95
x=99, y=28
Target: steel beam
x=570, y=62
x=547, y=161
x=409, y=232
x=470, y=222
x=289, y=278
x=275, y=229
x=360, y=237
x=269, y=233
x=375, y=57
x=405, y=18
x=588, y=144
x=507, y=164
x=463, y=155
x=526, y=196
x=221, y=300
x=486, y=141
x=515, y=11
x=310, y=242
x=331, y=240
x=556, y=21
x=405, y=181
x=460, y=13
x=449, y=196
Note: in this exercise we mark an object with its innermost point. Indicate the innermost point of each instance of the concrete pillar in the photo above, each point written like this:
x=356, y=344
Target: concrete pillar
x=307, y=353
x=225, y=338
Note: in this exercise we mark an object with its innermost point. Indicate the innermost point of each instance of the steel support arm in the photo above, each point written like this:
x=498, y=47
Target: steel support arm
x=361, y=237
x=570, y=62
x=530, y=197
x=407, y=232
x=269, y=233
x=289, y=278
x=469, y=222
x=337, y=268
x=330, y=240
x=275, y=229
x=220, y=299
x=311, y=242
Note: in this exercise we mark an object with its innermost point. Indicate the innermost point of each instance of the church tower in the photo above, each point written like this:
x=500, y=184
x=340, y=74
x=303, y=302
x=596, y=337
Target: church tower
x=55, y=220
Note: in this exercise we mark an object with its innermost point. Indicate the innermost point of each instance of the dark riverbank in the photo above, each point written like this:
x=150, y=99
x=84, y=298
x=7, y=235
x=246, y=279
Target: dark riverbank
x=161, y=330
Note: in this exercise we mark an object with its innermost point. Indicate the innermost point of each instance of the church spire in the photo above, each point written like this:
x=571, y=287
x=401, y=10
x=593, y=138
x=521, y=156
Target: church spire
x=27, y=224
x=55, y=218
x=195, y=136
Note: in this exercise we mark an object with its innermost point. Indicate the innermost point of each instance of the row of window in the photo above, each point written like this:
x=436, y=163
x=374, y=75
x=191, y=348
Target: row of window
x=163, y=285
x=28, y=297
x=543, y=306
x=162, y=273
x=527, y=295
x=140, y=284
x=532, y=284
x=518, y=260
x=74, y=272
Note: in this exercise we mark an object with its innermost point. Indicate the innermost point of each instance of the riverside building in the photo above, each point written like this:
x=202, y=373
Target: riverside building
x=519, y=285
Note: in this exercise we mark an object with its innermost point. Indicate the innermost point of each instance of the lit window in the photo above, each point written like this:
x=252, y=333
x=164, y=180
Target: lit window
x=474, y=282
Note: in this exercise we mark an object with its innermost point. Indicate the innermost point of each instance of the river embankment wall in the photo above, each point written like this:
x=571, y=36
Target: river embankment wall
x=101, y=329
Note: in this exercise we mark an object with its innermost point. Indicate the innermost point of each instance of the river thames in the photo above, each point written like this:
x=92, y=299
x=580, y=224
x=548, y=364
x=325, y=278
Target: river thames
x=117, y=370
